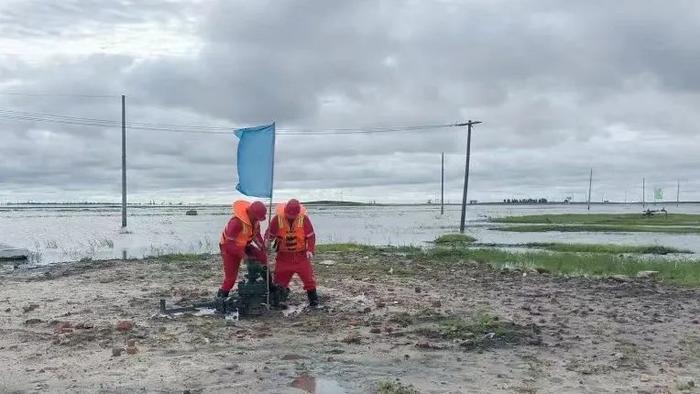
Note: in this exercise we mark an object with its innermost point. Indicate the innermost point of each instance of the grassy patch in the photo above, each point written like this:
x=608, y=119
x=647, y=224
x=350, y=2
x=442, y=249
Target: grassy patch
x=395, y=388
x=577, y=228
x=359, y=248
x=454, y=239
x=480, y=330
x=674, y=219
x=181, y=257
x=686, y=272
x=675, y=223
x=605, y=248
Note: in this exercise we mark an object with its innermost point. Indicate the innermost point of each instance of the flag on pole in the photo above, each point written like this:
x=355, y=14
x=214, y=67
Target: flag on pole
x=256, y=160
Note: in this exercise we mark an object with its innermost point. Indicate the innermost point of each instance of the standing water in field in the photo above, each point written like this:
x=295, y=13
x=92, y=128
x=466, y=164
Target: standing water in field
x=69, y=233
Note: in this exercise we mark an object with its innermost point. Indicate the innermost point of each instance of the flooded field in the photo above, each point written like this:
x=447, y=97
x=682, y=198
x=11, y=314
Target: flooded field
x=69, y=233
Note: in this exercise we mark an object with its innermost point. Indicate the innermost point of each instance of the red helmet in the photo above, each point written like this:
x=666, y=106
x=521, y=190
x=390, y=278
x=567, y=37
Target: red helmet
x=257, y=211
x=292, y=209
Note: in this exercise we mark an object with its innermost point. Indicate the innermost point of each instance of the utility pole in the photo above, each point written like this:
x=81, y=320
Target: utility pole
x=678, y=194
x=590, y=183
x=643, y=191
x=123, y=161
x=442, y=184
x=469, y=125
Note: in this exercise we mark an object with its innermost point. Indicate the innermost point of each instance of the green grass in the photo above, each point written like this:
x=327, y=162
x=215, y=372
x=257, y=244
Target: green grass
x=359, y=248
x=454, y=239
x=605, y=248
x=686, y=272
x=629, y=219
x=535, y=228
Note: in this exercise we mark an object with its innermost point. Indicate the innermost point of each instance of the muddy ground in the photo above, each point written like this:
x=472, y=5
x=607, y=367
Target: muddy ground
x=441, y=328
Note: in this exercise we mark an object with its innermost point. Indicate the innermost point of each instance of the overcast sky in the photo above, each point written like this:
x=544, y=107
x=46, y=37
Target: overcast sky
x=561, y=87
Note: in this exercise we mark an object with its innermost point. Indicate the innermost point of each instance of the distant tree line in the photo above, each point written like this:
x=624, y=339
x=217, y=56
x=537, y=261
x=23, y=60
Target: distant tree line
x=525, y=200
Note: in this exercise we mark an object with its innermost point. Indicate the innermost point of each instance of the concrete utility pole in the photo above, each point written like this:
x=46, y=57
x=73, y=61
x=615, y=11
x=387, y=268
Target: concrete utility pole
x=123, y=161
x=442, y=184
x=590, y=183
x=469, y=125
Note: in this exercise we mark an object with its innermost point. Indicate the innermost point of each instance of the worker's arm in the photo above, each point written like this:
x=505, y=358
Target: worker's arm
x=310, y=235
x=272, y=229
x=232, y=229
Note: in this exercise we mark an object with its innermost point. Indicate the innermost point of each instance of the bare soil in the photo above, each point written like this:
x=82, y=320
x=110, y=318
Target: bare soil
x=447, y=328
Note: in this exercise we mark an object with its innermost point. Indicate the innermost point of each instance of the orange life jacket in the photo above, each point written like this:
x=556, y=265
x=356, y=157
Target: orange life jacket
x=239, y=209
x=290, y=239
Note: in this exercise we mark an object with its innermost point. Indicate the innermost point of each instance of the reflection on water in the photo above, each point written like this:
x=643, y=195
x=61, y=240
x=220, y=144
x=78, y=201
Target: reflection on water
x=314, y=385
x=68, y=234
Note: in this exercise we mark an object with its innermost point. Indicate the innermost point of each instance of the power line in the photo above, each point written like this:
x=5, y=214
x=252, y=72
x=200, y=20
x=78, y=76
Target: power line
x=204, y=129
x=57, y=95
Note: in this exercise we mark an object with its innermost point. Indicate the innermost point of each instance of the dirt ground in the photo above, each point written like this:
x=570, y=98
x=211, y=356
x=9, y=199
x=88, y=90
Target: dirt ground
x=454, y=328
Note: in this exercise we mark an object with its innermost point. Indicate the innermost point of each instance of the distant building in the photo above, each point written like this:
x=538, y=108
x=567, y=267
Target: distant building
x=472, y=202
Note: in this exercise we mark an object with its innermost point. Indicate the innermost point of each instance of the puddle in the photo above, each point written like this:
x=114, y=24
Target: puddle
x=314, y=385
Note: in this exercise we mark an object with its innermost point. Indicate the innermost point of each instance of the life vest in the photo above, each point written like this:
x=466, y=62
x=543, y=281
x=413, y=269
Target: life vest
x=290, y=239
x=239, y=210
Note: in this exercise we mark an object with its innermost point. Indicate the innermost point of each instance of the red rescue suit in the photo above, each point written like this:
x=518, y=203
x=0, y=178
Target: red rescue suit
x=239, y=238
x=294, y=238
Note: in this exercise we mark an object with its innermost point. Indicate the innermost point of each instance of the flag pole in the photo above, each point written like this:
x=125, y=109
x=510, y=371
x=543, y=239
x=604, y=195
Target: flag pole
x=269, y=216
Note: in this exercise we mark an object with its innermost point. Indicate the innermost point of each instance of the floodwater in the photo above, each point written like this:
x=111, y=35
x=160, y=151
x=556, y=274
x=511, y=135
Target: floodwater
x=69, y=233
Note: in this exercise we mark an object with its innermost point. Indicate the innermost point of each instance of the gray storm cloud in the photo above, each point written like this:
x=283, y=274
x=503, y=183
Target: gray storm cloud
x=561, y=87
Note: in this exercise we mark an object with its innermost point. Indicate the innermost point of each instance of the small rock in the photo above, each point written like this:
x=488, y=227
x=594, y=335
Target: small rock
x=619, y=356
x=132, y=350
x=293, y=357
x=406, y=356
x=125, y=325
x=29, y=322
x=695, y=321
x=30, y=307
x=327, y=262
x=685, y=383
x=131, y=343
x=390, y=290
x=418, y=289
x=424, y=345
x=8, y=310
x=62, y=327
x=117, y=351
x=436, y=304
x=330, y=359
x=84, y=326
x=375, y=330
x=352, y=339
x=620, y=278
x=388, y=330
x=367, y=310
x=645, y=378
x=380, y=305
x=647, y=274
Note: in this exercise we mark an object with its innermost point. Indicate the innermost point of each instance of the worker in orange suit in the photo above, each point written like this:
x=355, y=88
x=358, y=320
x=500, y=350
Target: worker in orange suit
x=295, y=242
x=241, y=237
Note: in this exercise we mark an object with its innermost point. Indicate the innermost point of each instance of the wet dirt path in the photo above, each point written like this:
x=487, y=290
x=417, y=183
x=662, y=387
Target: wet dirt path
x=459, y=328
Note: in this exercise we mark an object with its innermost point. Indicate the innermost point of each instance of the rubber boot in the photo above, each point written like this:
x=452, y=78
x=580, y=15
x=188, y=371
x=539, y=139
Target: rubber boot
x=313, y=298
x=222, y=293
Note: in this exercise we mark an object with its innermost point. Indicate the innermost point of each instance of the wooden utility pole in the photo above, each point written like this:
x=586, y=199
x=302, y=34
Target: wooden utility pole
x=643, y=191
x=123, y=161
x=590, y=183
x=678, y=194
x=442, y=184
x=469, y=125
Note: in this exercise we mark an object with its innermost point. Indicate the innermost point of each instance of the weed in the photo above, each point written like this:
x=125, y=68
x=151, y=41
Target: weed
x=395, y=388
x=454, y=239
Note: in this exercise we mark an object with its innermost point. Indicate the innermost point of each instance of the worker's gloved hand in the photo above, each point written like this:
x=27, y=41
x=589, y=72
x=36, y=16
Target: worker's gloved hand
x=309, y=255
